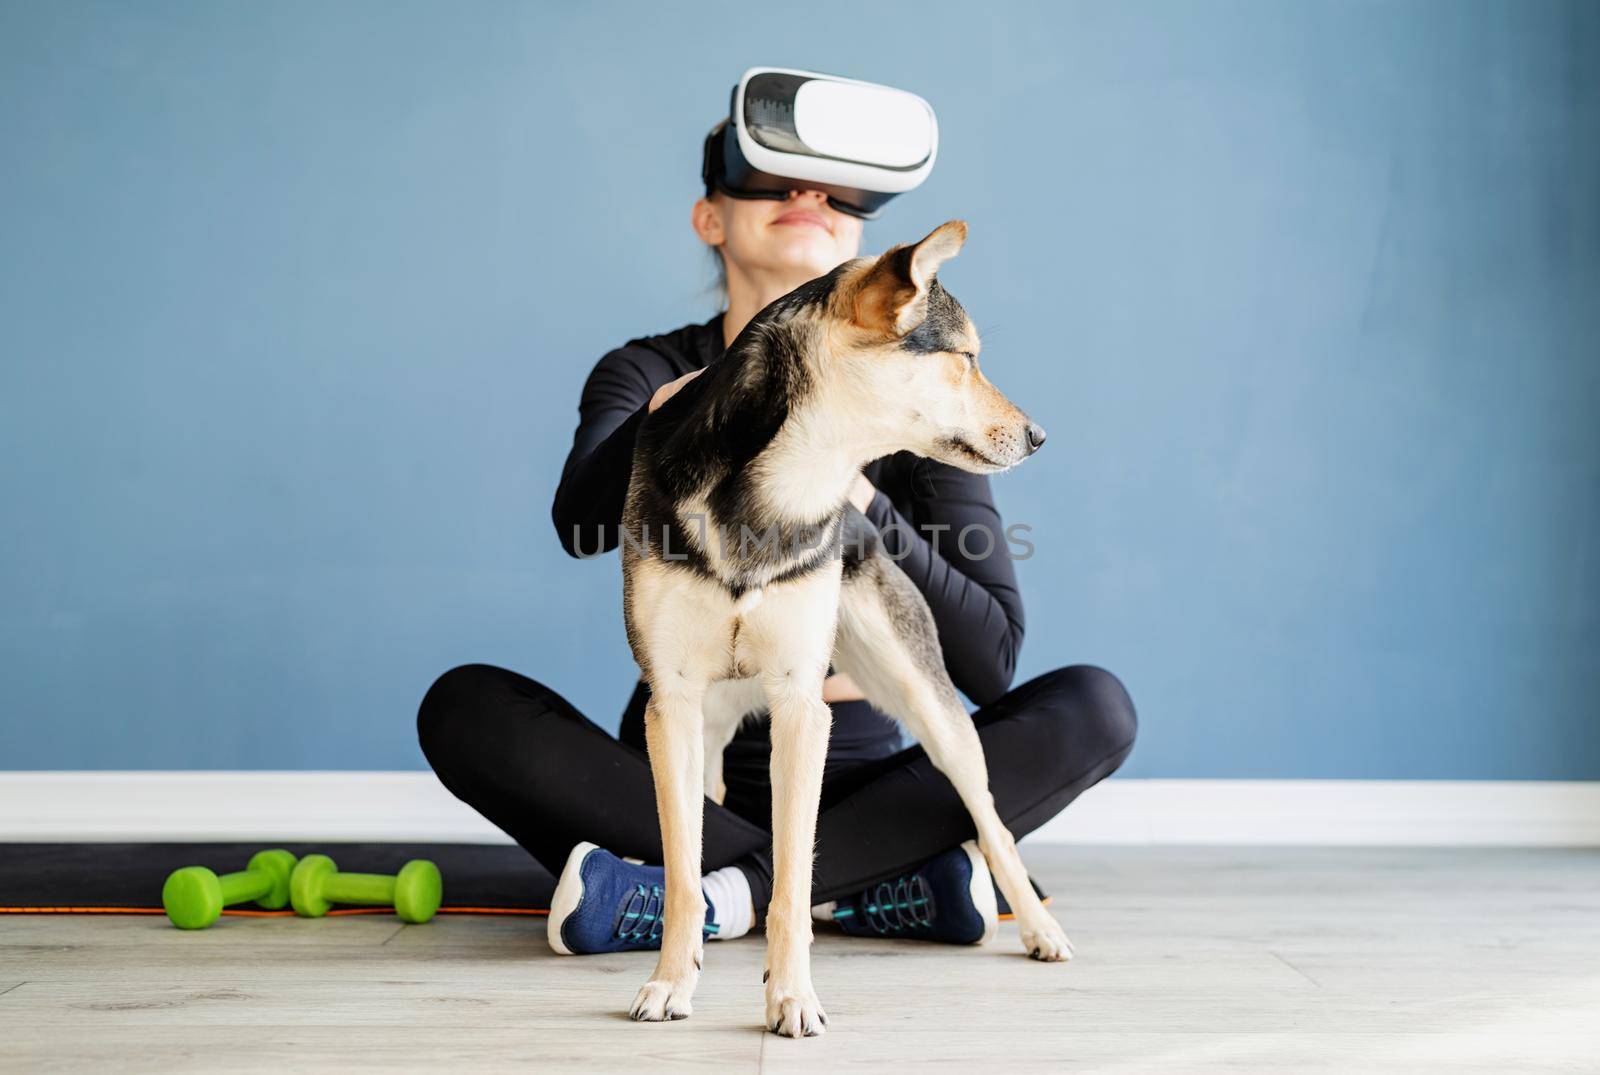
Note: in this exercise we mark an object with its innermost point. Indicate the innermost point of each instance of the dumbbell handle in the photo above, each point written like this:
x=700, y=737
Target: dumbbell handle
x=375, y=889
x=316, y=885
x=194, y=896
x=244, y=886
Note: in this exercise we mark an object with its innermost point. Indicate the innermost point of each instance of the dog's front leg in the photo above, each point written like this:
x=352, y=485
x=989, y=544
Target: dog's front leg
x=800, y=725
x=672, y=724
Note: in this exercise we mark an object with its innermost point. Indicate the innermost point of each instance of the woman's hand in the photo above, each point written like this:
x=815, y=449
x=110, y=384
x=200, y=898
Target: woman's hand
x=862, y=492
x=670, y=389
x=841, y=688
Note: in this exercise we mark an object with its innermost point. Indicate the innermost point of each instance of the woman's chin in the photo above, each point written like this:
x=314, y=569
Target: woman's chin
x=815, y=263
x=814, y=258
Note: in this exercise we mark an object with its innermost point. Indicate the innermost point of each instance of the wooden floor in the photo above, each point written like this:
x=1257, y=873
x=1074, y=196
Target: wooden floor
x=1188, y=960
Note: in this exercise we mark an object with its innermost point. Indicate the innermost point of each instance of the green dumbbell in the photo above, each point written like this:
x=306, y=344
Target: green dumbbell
x=414, y=892
x=194, y=896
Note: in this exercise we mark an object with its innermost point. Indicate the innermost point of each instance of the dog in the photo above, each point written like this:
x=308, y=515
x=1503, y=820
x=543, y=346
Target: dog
x=746, y=573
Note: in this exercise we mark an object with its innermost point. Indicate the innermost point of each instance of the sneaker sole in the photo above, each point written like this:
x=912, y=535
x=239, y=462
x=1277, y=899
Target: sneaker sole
x=981, y=889
x=569, y=893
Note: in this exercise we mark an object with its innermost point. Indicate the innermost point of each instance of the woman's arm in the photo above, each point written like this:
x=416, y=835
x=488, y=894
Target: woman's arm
x=974, y=598
x=625, y=385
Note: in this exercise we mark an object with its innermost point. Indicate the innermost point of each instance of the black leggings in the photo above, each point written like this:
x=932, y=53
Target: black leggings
x=523, y=757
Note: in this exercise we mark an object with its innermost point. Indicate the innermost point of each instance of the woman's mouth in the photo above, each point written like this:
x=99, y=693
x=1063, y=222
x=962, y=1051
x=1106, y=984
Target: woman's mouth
x=803, y=218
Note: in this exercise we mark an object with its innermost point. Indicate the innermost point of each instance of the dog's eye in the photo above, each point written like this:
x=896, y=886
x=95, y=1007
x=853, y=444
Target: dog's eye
x=972, y=359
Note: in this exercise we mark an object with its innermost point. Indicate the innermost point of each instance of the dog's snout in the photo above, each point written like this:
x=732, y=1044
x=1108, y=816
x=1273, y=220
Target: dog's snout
x=1035, y=436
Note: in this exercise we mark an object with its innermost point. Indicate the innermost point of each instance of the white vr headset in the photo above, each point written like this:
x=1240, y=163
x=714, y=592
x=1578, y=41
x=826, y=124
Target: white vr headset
x=857, y=142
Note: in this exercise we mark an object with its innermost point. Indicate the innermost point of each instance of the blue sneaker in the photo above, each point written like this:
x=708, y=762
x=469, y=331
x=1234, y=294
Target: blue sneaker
x=950, y=899
x=603, y=904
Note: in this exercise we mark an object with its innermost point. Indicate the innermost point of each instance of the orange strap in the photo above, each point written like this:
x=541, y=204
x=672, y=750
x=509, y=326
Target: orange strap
x=241, y=913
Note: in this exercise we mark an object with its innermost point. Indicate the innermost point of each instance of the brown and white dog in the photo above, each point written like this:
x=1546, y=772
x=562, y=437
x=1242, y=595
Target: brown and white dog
x=746, y=572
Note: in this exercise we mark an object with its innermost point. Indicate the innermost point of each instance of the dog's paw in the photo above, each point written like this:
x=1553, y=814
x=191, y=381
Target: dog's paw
x=794, y=1013
x=1044, y=939
x=662, y=1001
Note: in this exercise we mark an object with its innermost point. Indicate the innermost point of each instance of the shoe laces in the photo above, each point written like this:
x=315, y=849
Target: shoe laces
x=899, y=905
x=640, y=920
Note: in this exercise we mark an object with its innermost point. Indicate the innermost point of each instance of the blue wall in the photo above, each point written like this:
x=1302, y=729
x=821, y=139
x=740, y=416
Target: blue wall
x=296, y=300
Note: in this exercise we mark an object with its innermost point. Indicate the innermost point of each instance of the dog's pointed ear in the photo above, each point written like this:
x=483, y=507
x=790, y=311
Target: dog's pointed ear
x=892, y=296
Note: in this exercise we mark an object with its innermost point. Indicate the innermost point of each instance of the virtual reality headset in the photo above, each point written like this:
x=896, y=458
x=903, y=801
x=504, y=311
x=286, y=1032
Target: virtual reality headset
x=857, y=142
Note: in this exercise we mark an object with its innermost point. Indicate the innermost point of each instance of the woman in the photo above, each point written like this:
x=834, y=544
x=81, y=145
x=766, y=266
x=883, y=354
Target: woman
x=894, y=851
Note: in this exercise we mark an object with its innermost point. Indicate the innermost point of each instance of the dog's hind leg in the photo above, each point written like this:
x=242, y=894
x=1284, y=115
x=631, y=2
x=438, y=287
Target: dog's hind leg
x=727, y=703
x=888, y=644
x=672, y=726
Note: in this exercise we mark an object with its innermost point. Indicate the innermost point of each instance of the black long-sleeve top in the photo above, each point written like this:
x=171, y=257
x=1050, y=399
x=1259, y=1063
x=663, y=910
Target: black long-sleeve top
x=920, y=508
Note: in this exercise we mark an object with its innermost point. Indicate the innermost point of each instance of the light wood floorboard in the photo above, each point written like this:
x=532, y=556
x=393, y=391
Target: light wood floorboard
x=1190, y=959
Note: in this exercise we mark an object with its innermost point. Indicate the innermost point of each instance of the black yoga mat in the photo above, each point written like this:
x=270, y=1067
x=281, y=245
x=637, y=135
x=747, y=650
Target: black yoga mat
x=107, y=878
x=102, y=878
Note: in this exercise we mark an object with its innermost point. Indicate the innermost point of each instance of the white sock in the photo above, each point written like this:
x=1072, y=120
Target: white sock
x=733, y=909
x=823, y=912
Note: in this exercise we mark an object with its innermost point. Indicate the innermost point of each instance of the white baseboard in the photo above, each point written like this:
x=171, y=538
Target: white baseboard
x=1484, y=813
x=414, y=807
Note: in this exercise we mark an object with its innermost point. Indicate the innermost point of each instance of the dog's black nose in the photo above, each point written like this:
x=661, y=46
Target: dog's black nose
x=1035, y=436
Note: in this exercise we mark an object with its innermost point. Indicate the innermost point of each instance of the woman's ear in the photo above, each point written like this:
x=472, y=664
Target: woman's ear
x=706, y=219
